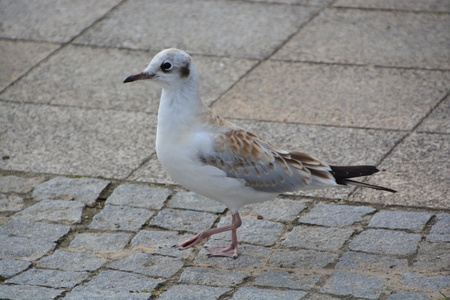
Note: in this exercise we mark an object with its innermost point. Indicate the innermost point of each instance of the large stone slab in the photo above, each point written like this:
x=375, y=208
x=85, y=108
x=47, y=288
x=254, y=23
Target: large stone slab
x=384, y=38
x=236, y=29
x=16, y=184
x=368, y=97
x=48, y=20
x=80, y=141
x=413, y=5
x=439, y=120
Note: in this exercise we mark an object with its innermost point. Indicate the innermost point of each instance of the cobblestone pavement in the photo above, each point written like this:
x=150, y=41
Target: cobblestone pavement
x=87, y=213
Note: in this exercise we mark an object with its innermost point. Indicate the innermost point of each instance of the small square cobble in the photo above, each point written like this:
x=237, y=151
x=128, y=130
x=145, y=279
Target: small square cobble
x=93, y=242
x=317, y=238
x=29, y=292
x=440, y=232
x=432, y=283
x=49, y=278
x=193, y=201
x=11, y=267
x=11, y=202
x=35, y=230
x=252, y=293
x=54, y=211
x=335, y=215
x=13, y=247
x=137, y=195
x=120, y=218
x=182, y=291
x=73, y=261
x=363, y=261
x=16, y=184
x=353, y=284
x=209, y=276
x=303, y=259
x=176, y=219
x=161, y=242
x=148, y=264
x=383, y=241
x=409, y=296
x=400, y=220
x=433, y=256
x=282, y=279
x=283, y=210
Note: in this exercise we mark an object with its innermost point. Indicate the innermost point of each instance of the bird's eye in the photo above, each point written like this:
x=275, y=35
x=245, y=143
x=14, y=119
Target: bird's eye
x=166, y=66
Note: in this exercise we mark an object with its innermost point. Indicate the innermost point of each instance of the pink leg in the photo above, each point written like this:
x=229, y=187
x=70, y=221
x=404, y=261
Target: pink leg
x=229, y=251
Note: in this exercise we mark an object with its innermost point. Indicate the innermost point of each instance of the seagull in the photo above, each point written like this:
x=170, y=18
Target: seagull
x=213, y=157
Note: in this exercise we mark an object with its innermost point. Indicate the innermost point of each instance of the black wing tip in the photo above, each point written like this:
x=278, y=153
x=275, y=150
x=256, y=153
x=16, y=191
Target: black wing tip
x=362, y=184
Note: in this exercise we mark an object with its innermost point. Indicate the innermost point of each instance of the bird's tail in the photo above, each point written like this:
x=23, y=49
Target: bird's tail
x=342, y=175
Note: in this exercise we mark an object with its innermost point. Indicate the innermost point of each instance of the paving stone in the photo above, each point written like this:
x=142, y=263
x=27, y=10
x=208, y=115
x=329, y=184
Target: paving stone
x=20, y=185
x=260, y=232
x=335, y=215
x=409, y=296
x=249, y=256
x=39, y=19
x=193, y=292
x=56, y=129
x=49, y=278
x=94, y=242
x=434, y=283
x=11, y=267
x=415, y=5
x=400, y=220
x=35, y=230
x=137, y=195
x=183, y=220
x=223, y=19
x=385, y=242
x=148, y=264
x=317, y=238
x=302, y=259
x=71, y=261
x=84, y=190
x=353, y=284
x=210, y=276
x=53, y=210
x=276, y=210
x=321, y=297
x=193, y=201
x=252, y=293
x=433, y=256
x=161, y=242
x=115, y=285
x=28, y=292
x=22, y=248
x=384, y=38
x=363, y=261
x=11, y=203
x=280, y=279
x=120, y=218
x=438, y=121
x=440, y=232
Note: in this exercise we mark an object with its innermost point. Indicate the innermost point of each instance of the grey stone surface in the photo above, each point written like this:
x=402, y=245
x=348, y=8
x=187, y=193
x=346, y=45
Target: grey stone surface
x=84, y=190
x=120, y=218
x=193, y=292
x=71, y=261
x=440, y=232
x=259, y=232
x=433, y=256
x=388, y=38
x=161, y=242
x=96, y=242
x=257, y=37
x=136, y=195
x=193, y=201
x=11, y=267
x=416, y=155
x=16, y=184
x=409, y=296
x=438, y=121
x=285, y=280
x=11, y=203
x=303, y=259
x=115, y=285
x=353, y=284
x=400, y=220
x=317, y=238
x=22, y=248
x=432, y=283
x=335, y=215
x=35, y=230
x=413, y=5
x=47, y=20
x=363, y=261
x=211, y=276
x=53, y=210
x=251, y=293
x=49, y=278
x=321, y=297
x=277, y=210
x=183, y=220
x=29, y=292
x=56, y=129
x=148, y=264
x=385, y=242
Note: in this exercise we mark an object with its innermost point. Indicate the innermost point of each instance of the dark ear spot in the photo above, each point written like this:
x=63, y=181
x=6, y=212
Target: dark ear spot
x=184, y=71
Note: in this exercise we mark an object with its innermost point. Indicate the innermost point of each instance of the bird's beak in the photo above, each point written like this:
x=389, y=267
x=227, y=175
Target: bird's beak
x=140, y=76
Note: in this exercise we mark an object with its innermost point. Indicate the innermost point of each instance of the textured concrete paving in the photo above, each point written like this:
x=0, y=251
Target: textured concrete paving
x=86, y=212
